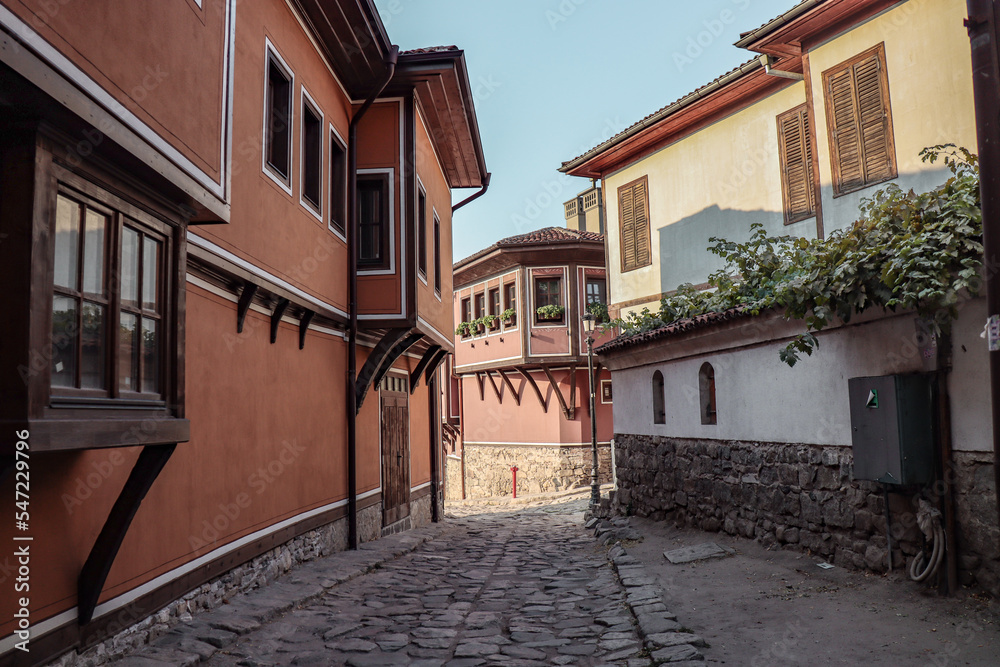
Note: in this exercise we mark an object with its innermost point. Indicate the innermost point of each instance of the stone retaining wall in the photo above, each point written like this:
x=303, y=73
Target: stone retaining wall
x=452, y=478
x=801, y=496
x=541, y=469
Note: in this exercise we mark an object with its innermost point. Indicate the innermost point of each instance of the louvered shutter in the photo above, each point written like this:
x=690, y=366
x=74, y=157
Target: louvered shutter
x=873, y=120
x=860, y=122
x=795, y=149
x=633, y=204
x=628, y=227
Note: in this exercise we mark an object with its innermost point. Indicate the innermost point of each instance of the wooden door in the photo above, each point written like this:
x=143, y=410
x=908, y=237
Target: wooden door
x=395, y=450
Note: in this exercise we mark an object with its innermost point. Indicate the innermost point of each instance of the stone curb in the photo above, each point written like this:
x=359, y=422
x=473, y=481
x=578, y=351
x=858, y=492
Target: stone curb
x=210, y=631
x=658, y=627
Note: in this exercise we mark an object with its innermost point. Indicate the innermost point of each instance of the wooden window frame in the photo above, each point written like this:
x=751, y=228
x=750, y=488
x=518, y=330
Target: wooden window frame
x=878, y=51
x=561, y=320
x=384, y=260
x=422, y=232
x=310, y=108
x=274, y=60
x=493, y=306
x=437, y=254
x=626, y=265
x=510, y=301
x=337, y=217
x=801, y=113
x=465, y=312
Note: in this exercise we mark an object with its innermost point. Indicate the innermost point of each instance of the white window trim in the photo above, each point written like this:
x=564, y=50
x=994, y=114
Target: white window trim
x=269, y=52
x=307, y=99
x=391, y=171
x=329, y=218
x=422, y=275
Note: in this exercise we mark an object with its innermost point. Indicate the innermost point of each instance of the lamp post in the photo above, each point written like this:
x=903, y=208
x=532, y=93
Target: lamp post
x=595, y=489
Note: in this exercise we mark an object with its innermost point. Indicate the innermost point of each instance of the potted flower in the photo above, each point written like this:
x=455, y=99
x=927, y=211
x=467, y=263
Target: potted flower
x=479, y=325
x=508, y=317
x=463, y=329
x=491, y=321
x=599, y=310
x=550, y=312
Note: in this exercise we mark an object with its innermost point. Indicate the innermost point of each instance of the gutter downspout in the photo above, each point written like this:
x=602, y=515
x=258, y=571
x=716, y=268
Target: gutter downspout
x=352, y=263
x=983, y=36
x=477, y=195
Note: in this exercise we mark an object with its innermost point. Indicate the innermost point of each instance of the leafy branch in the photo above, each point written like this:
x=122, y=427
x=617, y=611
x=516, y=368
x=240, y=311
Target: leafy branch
x=910, y=251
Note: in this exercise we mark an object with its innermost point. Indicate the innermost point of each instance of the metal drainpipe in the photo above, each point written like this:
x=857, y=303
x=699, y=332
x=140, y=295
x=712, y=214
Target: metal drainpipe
x=473, y=197
x=986, y=90
x=352, y=264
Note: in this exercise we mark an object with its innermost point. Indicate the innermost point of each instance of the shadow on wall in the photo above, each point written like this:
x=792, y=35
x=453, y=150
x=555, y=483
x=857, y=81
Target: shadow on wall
x=683, y=245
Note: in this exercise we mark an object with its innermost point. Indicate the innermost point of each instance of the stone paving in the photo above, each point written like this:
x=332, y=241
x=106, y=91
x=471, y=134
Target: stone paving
x=497, y=584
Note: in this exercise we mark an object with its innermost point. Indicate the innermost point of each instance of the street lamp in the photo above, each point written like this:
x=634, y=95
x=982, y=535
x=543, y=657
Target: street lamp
x=595, y=489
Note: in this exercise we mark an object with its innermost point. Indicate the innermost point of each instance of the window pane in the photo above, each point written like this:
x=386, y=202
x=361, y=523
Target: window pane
x=93, y=252
x=64, y=332
x=150, y=272
x=128, y=352
x=279, y=100
x=92, y=356
x=312, y=155
x=67, y=242
x=150, y=356
x=130, y=266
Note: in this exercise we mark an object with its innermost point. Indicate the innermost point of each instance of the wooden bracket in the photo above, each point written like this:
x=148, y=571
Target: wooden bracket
x=433, y=366
x=246, y=298
x=397, y=350
x=569, y=411
x=364, y=378
x=526, y=374
x=304, y=321
x=496, y=389
x=510, y=386
x=276, y=315
x=482, y=386
x=102, y=554
x=421, y=365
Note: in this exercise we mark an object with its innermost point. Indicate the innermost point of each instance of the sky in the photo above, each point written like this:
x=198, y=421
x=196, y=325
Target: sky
x=553, y=78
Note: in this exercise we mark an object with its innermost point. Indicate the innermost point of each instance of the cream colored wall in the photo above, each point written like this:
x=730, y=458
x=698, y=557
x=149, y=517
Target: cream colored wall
x=930, y=91
x=715, y=182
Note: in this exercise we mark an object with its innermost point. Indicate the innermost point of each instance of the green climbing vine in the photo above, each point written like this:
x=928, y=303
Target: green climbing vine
x=907, y=250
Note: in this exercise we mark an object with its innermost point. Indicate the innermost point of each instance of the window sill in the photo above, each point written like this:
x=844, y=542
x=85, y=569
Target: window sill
x=53, y=435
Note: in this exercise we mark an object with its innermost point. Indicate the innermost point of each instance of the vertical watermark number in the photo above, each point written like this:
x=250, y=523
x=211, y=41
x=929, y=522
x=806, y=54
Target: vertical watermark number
x=22, y=546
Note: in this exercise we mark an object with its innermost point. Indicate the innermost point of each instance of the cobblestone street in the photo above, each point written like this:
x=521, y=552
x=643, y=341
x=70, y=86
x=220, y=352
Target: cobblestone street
x=499, y=584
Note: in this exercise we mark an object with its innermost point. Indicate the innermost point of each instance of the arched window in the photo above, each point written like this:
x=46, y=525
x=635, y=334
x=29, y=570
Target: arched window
x=706, y=387
x=659, y=411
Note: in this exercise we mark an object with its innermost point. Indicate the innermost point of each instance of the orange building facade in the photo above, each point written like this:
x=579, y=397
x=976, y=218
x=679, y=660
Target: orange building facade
x=198, y=370
x=520, y=390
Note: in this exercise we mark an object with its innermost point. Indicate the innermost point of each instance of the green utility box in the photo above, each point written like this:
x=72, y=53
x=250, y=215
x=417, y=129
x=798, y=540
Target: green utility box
x=892, y=428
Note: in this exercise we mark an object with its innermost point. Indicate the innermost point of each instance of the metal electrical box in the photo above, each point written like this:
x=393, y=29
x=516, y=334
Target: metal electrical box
x=892, y=428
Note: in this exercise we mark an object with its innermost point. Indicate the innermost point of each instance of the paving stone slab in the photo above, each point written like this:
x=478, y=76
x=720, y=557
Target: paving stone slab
x=679, y=653
x=698, y=552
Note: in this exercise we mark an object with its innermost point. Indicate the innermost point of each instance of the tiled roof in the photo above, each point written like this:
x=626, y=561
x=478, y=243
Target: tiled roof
x=678, y=327
x=778, y=21
x=429, y=49
x=546, y=235
x=668, y=110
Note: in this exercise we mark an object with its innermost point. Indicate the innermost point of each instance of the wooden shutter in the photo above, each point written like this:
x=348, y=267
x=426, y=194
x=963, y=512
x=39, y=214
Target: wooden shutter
x=633, y=205
x=860, y=122
x=795, y=150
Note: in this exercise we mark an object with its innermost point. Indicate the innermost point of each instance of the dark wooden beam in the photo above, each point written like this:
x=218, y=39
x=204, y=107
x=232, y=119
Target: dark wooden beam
x=421, y=365
x=567, y=409
x=397, y=350
x=496, y=389
x=246, y=297
x=510, y=386
x=436, y=361
x=276, y=315
x=304, y=326
x=526, y=374
x=102, y=555
x=364, y=379
x=572, y=392
x=482, y=385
